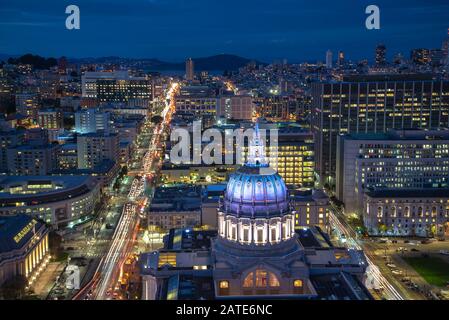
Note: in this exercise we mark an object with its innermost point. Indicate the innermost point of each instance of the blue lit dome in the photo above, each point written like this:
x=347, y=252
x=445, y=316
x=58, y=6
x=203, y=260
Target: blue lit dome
x=256, y=191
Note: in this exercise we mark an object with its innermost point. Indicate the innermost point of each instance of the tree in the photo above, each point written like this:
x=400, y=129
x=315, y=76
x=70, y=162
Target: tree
x=157, y=119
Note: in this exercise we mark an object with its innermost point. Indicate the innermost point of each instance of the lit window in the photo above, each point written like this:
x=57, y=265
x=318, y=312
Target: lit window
x=224, y=284
x=297, y=283
x=249, y=281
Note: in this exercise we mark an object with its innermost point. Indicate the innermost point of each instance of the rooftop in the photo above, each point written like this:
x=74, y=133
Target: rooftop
x=15, y=231
x=412, y=193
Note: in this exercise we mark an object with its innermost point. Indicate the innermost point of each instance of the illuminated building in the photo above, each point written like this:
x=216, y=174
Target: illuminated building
x=341, y=58
x=24, y=248
x=50, y=119
x=94, y=148
x=176, y=207
x=372, y=104
x=60, y=201
x=329, y=59
x=27, y=104
x=9, y=139
x=420, y=56
x=280, y=107
x=381, y=55
x=32, y=159
x=116, y=86
x=92, y=120
x=256, y=253
x=413, y=159
x=235, y=107
x=190, y=69
x=417, y=212
x=67, y=157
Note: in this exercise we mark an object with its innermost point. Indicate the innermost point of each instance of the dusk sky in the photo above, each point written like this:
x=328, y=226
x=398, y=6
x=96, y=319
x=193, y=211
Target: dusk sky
x=260, y=29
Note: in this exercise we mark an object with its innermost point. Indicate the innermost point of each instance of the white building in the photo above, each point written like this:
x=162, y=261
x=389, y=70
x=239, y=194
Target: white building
x=57, y=200
x=411, y=159
x=92, y=120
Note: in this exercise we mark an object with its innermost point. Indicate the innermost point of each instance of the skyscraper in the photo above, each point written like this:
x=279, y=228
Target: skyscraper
x=420, y=56
x=445, y=49
x=369, y=104
x=341, y=58
x=328, y=59
x=381, y=54
x=190, y=69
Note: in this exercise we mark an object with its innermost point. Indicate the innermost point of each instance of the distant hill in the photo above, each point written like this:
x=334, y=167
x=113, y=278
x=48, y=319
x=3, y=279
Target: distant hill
x=218, y=62
x=221, y=62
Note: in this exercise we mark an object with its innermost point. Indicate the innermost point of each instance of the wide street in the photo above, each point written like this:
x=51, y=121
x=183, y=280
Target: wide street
x=104, y=283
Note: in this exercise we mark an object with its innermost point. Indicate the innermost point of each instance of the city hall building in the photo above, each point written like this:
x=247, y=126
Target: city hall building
x=256, y=252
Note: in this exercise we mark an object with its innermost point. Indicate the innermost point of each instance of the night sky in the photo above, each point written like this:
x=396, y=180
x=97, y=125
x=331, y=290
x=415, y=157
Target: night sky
x=260, y=29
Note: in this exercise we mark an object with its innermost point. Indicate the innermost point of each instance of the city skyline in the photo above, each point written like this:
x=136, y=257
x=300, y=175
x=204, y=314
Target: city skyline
x=310, y=161
x=164, y=29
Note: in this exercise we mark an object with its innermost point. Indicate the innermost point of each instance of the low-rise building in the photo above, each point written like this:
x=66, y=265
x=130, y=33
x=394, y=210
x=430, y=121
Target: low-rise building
x=407, y=159
x=60, y=201
x=423, y=213
x=176, y=207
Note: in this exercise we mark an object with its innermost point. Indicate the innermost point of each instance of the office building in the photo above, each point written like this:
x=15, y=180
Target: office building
x=94, y=148
x=32, y=159
x=371, y=104
x=116, y=86
x=420, y=56
x=235, y=107
x=413, y=159
x=50, y=119
x=176, y=207
x=9, y=139
x=92, y=120
x=329, y=59
x=381, y=55
x=27, y=104
x=190, y=69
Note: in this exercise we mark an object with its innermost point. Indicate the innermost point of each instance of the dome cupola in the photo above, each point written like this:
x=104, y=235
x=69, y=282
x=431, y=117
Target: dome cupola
x=255, y=208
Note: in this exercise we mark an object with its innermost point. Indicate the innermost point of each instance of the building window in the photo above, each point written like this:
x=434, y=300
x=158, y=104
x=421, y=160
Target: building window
x=261, y=279
x=297, y=283
x=224, y=284
x=249, y=280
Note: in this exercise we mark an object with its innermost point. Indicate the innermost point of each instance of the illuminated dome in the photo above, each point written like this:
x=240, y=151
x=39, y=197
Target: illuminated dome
x=255, y=209
x=256, y=192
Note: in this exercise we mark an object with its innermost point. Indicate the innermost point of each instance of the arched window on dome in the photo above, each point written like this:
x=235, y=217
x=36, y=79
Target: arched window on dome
x=249, y=280
x=261, y=278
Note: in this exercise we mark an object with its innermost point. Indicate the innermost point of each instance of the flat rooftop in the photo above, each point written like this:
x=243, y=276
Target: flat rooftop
x=189, y=239
x=412, y=193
